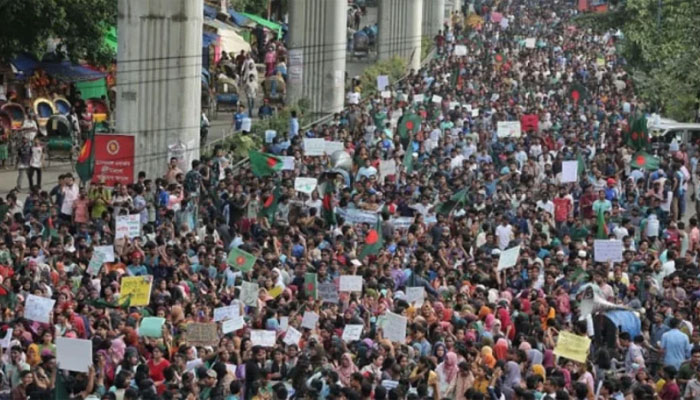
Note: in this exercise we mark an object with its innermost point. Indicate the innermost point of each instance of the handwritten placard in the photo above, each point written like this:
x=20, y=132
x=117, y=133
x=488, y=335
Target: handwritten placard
x=328, y=293
x=108, y=252
x=350, y=283
x=249, y=294
x=127, y=226
x=73, y=354
x=224, y=313
x=314, y=147
x=352, y=333
x=38, y=308
x=310, y=320
x=292, y=337
x=415, y=295
x=572, y=346
x=509, y=129
x=395, y=327
x=232, y=325
x=460, y=50
x=136, y=290
x=263, y=338
x=607, y=250
x=305, y=184
x=508, y=258
x=202, y=334
x=569, y=171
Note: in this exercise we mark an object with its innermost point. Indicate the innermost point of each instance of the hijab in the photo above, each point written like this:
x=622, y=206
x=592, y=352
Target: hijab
x=345, y=373
x=33, y=356
x=500, y=349
x=512, y=374
x=449, y=367
x=487, y=356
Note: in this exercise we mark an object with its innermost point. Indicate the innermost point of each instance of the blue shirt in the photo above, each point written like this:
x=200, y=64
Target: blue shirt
x=238, y=120
x=293, y=127
x=676, y=348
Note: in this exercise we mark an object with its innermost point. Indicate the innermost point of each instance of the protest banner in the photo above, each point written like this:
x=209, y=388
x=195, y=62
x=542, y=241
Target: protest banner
x=607, y=250
x=350, y=283
x=415, y=295
x=108, y=252
x=73, y=354
x=572, y=346
x=356, y=216
x=287, y=163
x=314, y=147
x=38, y=308
x=310, y=320
x=460, y=50
x=227, y=312
x=95, y=264
x=249, y=294
x=202, y=334
x=569, y=171
x=395, y=327
x=292, y=337
x=152, y=327
x=508, y=258
x=509, y=129
x=352, y=333
x=114, y=159
x=136, y=289
x=328, y=293
x=305, y=184
x=232, y=325
x=382, y=82
x=127, y=226
x=260, y=337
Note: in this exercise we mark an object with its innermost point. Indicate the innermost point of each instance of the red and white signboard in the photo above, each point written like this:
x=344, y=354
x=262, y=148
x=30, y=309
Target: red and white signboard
x=114, y=159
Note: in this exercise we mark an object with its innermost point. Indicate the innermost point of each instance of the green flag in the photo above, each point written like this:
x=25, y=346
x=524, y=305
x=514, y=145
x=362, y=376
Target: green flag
x=644, y=160
x=374, y=241
x=602, y=231
x=241, y=260
x=581, y=165
x=264, y=164
x=269, y=206
x=409, y=125
x=458, y=199
x=85, y=164
x=408, y=158
x=578, y=92
x=328, y=208
x=638, y=133
x=310, y=284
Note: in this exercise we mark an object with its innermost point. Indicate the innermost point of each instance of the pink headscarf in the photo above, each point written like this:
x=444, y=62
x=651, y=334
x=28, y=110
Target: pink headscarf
x=345, y=373
x=117, y=349
x=449, y=367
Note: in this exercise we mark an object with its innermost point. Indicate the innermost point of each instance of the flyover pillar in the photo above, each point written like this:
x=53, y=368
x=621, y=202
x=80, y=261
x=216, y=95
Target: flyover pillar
x=433, y=17
x=400, y=30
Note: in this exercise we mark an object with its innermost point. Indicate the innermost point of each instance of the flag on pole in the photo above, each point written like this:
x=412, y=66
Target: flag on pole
x=374, y=241
x=269, y=206
x=602, y=232
x=328, y=206
x=644, y=160
x=264, y=164
x=85, y=164
x=241, y=260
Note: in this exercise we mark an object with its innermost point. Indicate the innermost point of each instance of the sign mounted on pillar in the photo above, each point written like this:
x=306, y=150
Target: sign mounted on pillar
x=114, y=159
x=296, y=66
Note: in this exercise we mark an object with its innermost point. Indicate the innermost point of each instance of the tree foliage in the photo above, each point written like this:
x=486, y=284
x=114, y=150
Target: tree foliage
x=662, y=48
x=77, y=25
x=394, y=67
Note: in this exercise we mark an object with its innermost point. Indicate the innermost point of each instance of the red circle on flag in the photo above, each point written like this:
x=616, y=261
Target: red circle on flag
x=372, y=237
x=575, y=95
x=271, y=162
x=641, y=160
x=634, y=136
x=409, y=125
x=269, y=201
x=240, y=260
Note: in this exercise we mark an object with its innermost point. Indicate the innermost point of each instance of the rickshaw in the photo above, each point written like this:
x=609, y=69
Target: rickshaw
x=360, y=44
x=274, y=88
x=59, y=140
x=44, y=109
x=226, y=93
x=16, y=113
x=62, y=105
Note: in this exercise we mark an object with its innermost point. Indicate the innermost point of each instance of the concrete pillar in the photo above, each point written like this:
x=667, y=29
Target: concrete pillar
x=433, y=17
x=400, y=30
x=317, y=49
x=159, y=67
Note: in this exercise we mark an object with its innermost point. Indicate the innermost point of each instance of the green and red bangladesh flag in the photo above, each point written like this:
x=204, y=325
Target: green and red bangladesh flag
x=409, y=125
x=264, y=164
x=374, y=241
x=644, y=160
x=578, y=92
x=458, y=199
x=85, y=165
x=241, y=260
x=602, y=231
x=269, y=205
x=637, y=135
x=327, y=203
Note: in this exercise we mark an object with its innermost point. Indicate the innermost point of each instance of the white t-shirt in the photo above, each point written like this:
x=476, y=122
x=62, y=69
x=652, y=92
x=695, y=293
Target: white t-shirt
x=37, y=153
x=353, y=98
x=70, y=193
x=504, y=234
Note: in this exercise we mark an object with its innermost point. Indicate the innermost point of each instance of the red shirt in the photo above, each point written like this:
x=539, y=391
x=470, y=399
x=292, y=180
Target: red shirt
x=156, y=371
x=562, y=207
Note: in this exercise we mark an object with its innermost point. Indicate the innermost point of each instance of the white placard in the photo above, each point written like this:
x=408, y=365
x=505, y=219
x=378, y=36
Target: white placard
x=460, y=50
x=270, y=135
x=530, y=43
x=128, y=226
x=228, y=312
x=305, y=184
x=38, y=308
x=395, y=327
x=314, y=147
x=626, y=107
x=350, y=283
x=73, y=354
x=292, y=337
x=509, y=129
x=437, y=99
x=310, y=320
x=95, y=263
x=475, y=112
x=352, y=332
x=386, y=94
x=246, y=124
x=232, y=325
x=607, y=250
x=356, y=216
x=5, y=342
x=332, y=147
x=389, y=384
x=328, y=293
x=415, y=295
x=108, y=251
x=382, y=82
x=508, y=258
x=386, y=168
x=453, y=105
x=569, y=171
x=284, y=323
x=263, y=338
x=418, y=98
x=402, y=222
x=249, y=294
x=288, y=163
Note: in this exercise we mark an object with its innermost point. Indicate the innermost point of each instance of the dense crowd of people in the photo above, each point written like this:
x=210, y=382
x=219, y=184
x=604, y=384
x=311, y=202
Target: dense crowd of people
x=457, y=197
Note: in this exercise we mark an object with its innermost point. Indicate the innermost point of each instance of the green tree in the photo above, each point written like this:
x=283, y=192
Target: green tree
x=78, y=25
x=662, y=49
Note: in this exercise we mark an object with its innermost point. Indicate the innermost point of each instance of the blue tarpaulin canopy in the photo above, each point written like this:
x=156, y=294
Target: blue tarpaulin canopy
x=238, y=18
x=209, y=38
x=64, y=70
x=625, y=321
x=209, y=11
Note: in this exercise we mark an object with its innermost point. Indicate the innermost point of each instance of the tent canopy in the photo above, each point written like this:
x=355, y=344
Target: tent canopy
x=64, y=70
x=245, y=19
x=231, y=42
x=209, y=11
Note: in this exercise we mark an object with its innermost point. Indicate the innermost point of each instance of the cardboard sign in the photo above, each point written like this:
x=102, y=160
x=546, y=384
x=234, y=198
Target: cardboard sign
x=305, y=185
x=395, y=327
x=73, y=354
x=202, y=334
x=292, y=337
x=508, y=258
x=224, y=313
x=530, y=43
x=569, y=171
x=415, y=295
x=5, y=342
x=352, y=333
x=382, y=82
x=38, y=308
x=314, y=147
x=232, y=325
x=328, y=293
x=460, y=50
x=249, y=294
x=437, y=99
x=151, y=327
x=571, y=346
x=95, y=264
x=114, y=159
x=127, y=226
x=263, y=338
x=270, y=135
x=288, y=163
x=607, y=250
x=137, y=289
x=509, y=129
x=350, y=283
x=310, y=320
x=108, y=252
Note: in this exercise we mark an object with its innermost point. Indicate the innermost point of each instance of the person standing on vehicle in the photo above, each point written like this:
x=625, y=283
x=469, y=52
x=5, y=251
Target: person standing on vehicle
x=24, y=155
x=36, y=162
